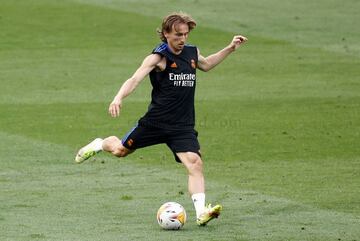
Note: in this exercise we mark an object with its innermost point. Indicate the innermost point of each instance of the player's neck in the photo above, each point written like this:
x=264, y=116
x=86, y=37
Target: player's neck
x=176, y=52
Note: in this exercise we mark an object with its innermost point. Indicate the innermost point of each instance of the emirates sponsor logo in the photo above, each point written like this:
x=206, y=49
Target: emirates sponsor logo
x=182, y=76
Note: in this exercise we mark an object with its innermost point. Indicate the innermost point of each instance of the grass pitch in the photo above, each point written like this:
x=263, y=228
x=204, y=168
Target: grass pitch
x=279, y=121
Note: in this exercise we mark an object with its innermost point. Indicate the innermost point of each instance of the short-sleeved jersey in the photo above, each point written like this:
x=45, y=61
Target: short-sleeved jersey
x=173, y=93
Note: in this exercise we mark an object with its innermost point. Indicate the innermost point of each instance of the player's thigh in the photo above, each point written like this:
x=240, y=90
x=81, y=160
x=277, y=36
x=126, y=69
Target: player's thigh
x=185, y=146
x=141, y=136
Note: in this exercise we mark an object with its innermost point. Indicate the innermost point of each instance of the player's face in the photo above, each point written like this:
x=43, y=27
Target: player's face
x=177, y=38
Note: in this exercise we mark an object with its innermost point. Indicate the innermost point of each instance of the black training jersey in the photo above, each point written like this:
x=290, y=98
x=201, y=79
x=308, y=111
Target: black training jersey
x=172, y=97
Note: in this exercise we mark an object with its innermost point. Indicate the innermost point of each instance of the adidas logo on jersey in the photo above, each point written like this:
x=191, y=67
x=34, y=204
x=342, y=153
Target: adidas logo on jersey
x=173, y=65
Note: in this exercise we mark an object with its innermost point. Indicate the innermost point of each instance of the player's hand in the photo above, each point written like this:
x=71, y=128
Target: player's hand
x=237, y=41
x=115, y=107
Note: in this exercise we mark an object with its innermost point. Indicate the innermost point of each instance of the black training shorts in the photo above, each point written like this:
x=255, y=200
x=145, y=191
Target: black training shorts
x=177, y=140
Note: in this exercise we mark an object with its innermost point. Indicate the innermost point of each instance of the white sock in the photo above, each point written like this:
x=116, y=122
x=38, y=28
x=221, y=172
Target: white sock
x=199, y=203
x=98, y=142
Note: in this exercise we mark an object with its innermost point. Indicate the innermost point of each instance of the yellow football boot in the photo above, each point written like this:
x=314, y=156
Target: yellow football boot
x=87, y=151
x=209, y=214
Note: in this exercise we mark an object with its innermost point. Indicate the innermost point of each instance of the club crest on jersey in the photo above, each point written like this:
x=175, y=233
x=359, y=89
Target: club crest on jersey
x=193, y=64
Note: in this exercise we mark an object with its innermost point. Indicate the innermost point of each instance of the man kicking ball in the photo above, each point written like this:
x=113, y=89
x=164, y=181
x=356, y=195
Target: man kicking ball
x=170, y=118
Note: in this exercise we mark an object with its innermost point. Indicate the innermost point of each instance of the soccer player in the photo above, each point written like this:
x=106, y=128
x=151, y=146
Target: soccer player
x=170, y=118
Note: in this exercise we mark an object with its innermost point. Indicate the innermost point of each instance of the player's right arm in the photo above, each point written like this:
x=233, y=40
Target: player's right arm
x=150, y=62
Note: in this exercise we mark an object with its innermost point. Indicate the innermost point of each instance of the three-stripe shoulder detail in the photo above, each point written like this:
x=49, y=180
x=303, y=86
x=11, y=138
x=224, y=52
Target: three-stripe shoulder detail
x=160, y=48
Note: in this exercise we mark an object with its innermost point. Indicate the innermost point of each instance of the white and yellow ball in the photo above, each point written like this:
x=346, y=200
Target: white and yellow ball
x=171, y=215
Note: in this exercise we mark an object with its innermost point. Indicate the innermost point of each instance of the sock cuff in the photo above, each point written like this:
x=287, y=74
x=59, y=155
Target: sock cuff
x=98, y=145
x=197, y=196
x=199, y=203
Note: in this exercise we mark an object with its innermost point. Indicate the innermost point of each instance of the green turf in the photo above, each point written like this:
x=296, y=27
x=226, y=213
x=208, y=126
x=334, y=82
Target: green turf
x=279, y=121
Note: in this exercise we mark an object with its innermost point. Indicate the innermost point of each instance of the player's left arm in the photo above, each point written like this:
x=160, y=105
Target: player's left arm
x=207, y=63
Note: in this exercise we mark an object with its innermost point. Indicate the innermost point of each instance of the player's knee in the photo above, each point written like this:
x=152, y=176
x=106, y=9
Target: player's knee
x=199, y=164
x=111, y=143
x=121, y=151
x=196, y=163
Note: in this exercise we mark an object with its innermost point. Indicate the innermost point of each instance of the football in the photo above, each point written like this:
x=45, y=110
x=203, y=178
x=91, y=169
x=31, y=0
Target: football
x=171, y=215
